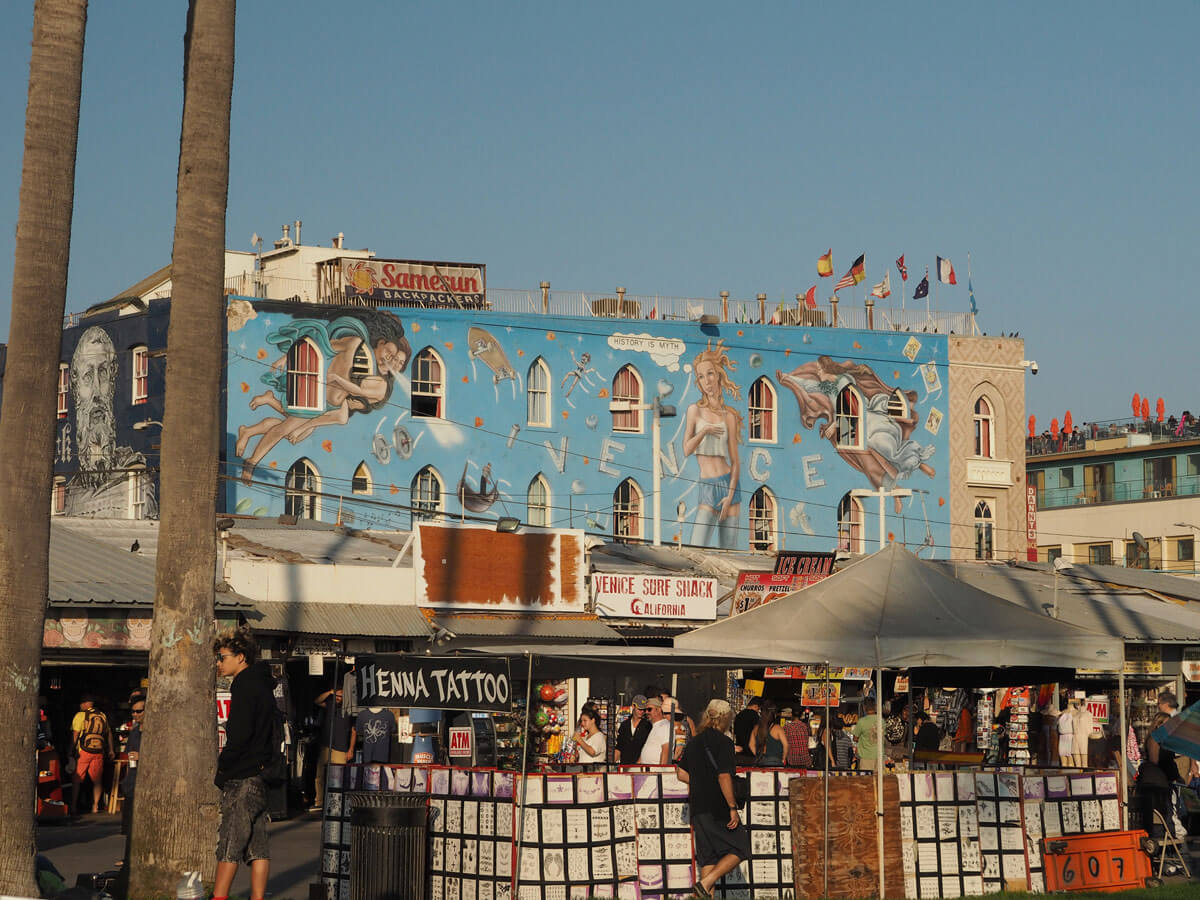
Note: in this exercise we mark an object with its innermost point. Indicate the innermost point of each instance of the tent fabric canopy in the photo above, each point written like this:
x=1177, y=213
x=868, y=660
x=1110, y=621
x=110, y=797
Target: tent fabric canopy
x=895, y=611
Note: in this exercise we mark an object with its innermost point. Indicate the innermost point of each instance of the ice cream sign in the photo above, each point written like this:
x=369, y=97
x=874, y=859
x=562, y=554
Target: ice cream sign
x=654, y=596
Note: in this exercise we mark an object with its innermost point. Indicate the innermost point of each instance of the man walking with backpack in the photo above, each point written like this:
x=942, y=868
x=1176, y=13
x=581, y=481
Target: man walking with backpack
x=91, y=739
x=248, y=752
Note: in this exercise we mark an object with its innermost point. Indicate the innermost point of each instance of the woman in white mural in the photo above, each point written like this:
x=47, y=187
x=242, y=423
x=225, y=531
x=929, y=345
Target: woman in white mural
x=712, y=435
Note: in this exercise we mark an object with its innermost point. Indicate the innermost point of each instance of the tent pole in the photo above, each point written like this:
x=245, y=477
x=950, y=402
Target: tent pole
x=520, y=826
x=879, y=766
x=828, y=750
x=1124, y=770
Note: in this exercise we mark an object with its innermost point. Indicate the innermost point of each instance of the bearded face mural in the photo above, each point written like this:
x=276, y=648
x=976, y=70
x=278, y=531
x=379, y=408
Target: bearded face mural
x=100, y=488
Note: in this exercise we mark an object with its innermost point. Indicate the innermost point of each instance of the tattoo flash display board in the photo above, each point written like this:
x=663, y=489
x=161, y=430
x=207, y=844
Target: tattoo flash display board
x=1058, y=805
x=623, y=835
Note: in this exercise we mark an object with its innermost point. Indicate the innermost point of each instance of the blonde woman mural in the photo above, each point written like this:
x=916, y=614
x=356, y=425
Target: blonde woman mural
x=712, y=434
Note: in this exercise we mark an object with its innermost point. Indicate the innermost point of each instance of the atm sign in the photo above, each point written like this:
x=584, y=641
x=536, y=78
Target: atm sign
x=460, y=741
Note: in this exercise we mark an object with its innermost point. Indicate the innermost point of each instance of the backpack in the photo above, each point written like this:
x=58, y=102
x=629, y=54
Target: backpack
x=275, y=769
x=94, y=736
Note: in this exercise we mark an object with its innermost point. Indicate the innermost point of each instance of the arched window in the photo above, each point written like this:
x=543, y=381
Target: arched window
x=983, y=530
x=362, y=364
x=985, y=442
x=898, y=406
x=361, y=482
x=628, y=503
x=537, y=387
x=301, y=489
x=538, y=500
x=304, y=375
x=428, y=385
x=427, y=490
x=849, y=418
x=64, y=388
x=763, y=405
x=140, y=373
x=626, y=394
x=850, y=525
x=763, y=520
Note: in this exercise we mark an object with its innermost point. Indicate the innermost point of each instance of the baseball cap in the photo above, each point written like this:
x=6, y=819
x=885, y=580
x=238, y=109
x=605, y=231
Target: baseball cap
x=670, y=705
x=639, y=700
x=652, y=702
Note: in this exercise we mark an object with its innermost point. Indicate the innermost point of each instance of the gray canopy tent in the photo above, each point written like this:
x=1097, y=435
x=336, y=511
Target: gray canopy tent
x=892, y=610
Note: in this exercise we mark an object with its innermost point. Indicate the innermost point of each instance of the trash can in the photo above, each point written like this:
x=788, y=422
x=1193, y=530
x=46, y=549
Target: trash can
x=388, y=845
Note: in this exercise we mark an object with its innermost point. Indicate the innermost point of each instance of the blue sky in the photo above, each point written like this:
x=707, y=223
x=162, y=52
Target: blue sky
x=685, y=149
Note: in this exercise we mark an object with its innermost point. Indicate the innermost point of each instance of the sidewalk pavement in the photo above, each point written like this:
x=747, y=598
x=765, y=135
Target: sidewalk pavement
x=93, y=843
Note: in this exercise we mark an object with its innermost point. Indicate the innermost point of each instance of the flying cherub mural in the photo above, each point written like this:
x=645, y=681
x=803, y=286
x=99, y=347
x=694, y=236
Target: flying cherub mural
x=362, y=352
x=886, y=451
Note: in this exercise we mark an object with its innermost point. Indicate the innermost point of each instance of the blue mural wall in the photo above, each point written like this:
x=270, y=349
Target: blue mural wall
x=96, y=445
x=488, y=446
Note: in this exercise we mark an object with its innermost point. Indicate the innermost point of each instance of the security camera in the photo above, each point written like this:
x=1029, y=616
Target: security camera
x=1031, y=364
x=1033, y=368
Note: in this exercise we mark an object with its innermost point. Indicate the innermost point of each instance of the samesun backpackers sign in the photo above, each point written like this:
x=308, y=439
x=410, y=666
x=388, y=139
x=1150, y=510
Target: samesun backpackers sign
x=434, y=682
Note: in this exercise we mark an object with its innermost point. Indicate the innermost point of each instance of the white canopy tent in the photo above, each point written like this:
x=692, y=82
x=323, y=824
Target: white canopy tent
x=893, y=610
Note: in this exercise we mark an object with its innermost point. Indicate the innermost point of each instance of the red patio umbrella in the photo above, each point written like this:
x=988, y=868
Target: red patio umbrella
x=1145, y=407
x=1067, y=422
x=1137, y=402
x=1161, y=407
x=1054, y=428
x=1033, y=426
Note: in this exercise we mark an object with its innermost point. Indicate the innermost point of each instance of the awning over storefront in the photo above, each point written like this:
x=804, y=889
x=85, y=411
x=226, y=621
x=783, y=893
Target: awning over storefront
x=894, y=610
x=340, y=619
x=519, y=627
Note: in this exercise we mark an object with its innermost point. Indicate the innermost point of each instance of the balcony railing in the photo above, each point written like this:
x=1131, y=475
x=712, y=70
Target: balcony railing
x=1118, y=492
x=1095, y=435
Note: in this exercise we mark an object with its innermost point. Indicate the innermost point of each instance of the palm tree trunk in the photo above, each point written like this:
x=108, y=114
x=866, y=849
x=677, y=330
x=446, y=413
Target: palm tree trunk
x=27, y=420
x=174, y=828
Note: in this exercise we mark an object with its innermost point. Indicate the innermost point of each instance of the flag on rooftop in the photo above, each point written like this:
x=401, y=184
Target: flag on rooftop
x=922, y=287
x=854, y=274
x=902, y=267
x=971, y=294
x=884, y=288
x=810, y=298
x=825, y=264
x=945, y=271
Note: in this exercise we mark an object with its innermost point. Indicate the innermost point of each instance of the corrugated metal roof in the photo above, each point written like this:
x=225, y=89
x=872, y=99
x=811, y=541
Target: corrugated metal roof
x=521, y=626
x=85, y=570
x=340, y=619
x=1160, y=582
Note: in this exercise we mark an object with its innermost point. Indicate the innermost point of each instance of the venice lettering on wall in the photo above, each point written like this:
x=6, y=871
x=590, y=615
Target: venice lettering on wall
x=434, y=682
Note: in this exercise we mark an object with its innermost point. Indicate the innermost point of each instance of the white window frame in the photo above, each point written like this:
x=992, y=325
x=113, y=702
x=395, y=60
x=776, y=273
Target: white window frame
x=985, y=419
x=898, y=406
x=537, y=391
x=58, y=496
x=626, y=415
x=139, y=358
x=629, y=510
x=427, y=504
x=362, y=467
x=851, y=525
x=764, y=508
x=425, y=385
x=538, y=513
x=761, y=408
x=303, y=502
x=295, y=374
x=64, y=389
x=138, y=482
x=850, y=431
x=985, y=528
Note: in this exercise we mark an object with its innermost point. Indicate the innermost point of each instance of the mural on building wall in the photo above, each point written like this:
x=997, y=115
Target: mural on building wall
x=100, y=486
x=549, y=420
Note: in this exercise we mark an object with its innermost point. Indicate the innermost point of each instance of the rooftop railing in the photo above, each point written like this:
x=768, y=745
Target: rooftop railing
x=1116, y=435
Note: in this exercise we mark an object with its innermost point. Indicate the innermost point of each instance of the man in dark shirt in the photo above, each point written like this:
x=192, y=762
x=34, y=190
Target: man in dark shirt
x=743, y=726
x=707, y=768
x=242, y=836
x=334, y=739
x=632, y=733
x=928, y=735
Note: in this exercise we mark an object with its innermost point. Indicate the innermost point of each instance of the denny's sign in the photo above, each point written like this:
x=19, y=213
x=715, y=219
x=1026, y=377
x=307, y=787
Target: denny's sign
x=654, y=596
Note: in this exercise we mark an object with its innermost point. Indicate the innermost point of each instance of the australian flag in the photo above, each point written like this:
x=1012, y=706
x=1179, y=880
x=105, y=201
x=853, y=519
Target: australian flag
x=922, y=288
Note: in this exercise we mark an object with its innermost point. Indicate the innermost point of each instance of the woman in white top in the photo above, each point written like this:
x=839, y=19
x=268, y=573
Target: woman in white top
x=712, y=435
x=589, y=739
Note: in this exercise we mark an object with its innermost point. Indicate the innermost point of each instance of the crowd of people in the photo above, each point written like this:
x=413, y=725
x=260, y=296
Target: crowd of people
x=1067, y=440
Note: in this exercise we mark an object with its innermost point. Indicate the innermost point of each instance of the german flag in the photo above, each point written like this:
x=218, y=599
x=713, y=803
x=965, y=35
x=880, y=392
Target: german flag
x=856, y=274
x=825, y=264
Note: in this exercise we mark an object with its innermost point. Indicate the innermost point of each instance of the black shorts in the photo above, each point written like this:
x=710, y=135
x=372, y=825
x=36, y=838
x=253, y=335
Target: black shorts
x=714, y=840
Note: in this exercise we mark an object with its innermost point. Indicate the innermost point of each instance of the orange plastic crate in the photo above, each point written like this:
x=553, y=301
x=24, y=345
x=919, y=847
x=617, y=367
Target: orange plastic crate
x=1105, y=862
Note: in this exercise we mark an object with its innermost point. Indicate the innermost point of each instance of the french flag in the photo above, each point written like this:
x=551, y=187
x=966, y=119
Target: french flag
x=945, y=271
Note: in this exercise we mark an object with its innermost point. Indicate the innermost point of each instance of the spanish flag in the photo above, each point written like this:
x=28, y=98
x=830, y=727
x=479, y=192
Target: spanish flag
x=825, y=264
